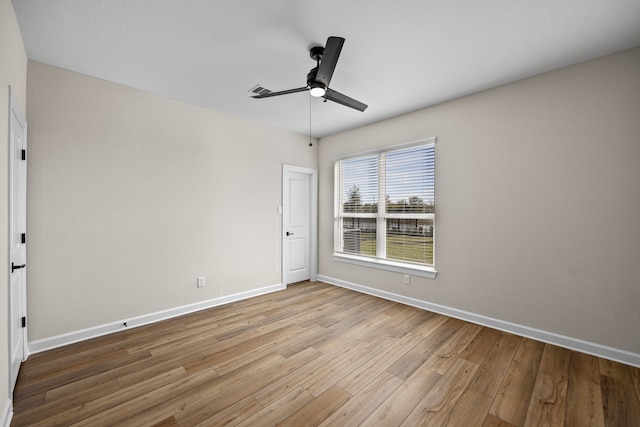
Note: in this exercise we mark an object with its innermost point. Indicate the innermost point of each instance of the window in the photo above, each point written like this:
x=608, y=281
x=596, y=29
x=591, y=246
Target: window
x=385, y=208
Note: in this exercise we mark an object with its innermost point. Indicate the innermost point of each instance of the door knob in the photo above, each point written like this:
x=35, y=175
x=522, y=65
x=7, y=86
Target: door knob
x=289, y=234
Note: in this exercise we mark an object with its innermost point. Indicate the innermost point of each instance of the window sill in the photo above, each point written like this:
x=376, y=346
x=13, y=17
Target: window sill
x=385, y=264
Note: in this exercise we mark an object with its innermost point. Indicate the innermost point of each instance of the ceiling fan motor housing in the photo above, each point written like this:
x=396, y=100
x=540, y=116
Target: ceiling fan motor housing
x=311, y=78
x=316, y=53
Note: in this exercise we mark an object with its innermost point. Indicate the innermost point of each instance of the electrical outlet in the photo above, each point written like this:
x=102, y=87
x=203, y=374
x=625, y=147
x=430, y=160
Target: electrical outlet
x=201, y=282
x=407, y=279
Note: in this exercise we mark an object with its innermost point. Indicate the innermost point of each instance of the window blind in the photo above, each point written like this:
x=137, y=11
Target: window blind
x=385, y=205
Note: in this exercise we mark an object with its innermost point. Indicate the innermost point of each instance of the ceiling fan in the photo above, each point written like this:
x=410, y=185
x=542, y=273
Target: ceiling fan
x=319, y=77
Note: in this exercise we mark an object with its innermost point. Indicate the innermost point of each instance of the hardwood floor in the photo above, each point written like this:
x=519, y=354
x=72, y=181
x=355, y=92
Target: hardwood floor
x=316, y=354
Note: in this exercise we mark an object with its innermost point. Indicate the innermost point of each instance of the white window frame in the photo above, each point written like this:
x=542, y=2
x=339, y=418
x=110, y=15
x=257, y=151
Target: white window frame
x=379, y=261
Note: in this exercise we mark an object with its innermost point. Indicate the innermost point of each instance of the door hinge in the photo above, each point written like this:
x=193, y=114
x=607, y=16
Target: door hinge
x=23, y=238
x=24, y=322
x=24, y=154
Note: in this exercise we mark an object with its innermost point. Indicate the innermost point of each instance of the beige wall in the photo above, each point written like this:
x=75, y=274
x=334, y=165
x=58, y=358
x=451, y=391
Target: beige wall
x=132, y=196
x=13, y=72
x=537, y=202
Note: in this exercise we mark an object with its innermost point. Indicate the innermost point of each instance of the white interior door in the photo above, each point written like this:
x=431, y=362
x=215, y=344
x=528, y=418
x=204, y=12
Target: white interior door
x=17, y=237
x=299, y=224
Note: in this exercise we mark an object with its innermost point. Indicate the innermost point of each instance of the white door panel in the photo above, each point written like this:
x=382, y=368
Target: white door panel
x=298, y=256
x=298, y=224
x=17, y=237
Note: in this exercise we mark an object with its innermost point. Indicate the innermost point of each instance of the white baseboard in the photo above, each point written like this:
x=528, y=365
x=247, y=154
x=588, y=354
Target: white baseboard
x=594, y=349
x=7, y=414
x=96, y=331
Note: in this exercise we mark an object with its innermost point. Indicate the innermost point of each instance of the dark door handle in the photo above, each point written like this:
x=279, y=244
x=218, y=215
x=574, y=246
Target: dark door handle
x=289, y=234
x=17, y=267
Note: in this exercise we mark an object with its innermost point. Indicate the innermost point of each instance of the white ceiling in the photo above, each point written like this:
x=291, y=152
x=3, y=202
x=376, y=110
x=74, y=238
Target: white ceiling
x=399, y=56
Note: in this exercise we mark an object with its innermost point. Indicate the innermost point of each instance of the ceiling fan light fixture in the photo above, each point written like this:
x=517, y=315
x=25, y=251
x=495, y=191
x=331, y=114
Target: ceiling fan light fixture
x=317, y=90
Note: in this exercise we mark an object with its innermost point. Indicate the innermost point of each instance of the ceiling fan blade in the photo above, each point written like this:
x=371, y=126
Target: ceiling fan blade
x=329, y=60
x=334, y=96
x=282, y=92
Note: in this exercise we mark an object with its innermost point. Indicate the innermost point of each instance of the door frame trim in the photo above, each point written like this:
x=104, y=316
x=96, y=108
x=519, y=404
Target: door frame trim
x=313, y=219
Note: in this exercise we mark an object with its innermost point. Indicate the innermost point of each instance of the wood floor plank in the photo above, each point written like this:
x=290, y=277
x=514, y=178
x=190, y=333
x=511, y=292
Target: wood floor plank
x=43, y=411
x=98, y=346
x=619, y=397
x=436, y=405
x=70, y=401
x=168, y=422
x=494, y=367
x=361, y=376
x=308, y=315
x=264, y=364
x=72, y=373
x=42, y=416
x=267, y=349
x=512, y=400
x=470, y=410
x=394, y=308
x=356, y=410
x=405, y=366
x=409, y=322
x=429, y=325
x=357, y=329
x=302, y=341
x=635, y=379
x=316, y=354
x=86, y=360
x=86, y=385
x=29, y=403
x=377, y=325
x=176, y=339
x=280, y=409
x=130, y=373
x=481, y=345
x=404, y=399
x=144, y=409
x=374, y=325
x=584, y=395
x=242, y=387
x=244, y=346
x=317, y=410
x=135, y=373
x=233, y=414
x=549, y=397
x=612, y=369
x=354, y=312
x=337, y=371
x=448, y=353
x=314, y=368
x=493, y=421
